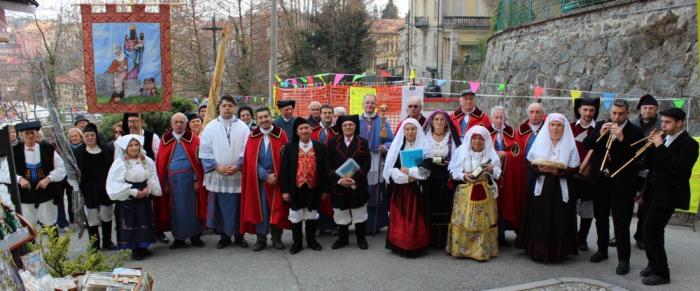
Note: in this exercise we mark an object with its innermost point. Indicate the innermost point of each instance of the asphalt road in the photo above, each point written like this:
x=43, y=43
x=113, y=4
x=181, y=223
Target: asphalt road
x=377, y=269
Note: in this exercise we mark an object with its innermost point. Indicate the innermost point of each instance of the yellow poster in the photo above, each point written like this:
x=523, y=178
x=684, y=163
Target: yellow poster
x=356, y=96
x=695, y=186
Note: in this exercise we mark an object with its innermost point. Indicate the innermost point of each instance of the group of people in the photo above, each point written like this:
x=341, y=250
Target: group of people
x=454, y=181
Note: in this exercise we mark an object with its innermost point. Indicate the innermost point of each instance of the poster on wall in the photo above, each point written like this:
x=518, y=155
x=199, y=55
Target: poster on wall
x=408, y=92
x=126, y=53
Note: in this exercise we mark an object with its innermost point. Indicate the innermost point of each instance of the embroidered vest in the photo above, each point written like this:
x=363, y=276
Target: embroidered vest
x=306, y=168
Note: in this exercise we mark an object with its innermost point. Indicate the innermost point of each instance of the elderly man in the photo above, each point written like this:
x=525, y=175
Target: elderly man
x=222, y=145
x=505, y=144
x=183, y=206
x=286, y=120
x=414, y=106
x=338, y=112
x=468, y=115
x=648, y=121
x=39, y=174
x=377, y=131
x=80, y=122
x=314, y=113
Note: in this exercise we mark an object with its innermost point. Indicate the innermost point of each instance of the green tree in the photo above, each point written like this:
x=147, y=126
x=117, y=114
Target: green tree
x=338, y=42
x=390, y=11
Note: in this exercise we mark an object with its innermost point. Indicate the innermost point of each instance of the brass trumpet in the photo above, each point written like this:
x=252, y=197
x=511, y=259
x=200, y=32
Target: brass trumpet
x=640, y=151
x=608, y=145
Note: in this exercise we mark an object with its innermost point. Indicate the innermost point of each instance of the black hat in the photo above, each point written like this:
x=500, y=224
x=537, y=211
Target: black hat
x=352, y=118
x=80, y=118
x=675, y=113
x=578, y=102
x=90, y=127
x=467, y=92
x=125, y=121
x=298, y=122
x=31, y=125
x=647, y=100
x=285, y=103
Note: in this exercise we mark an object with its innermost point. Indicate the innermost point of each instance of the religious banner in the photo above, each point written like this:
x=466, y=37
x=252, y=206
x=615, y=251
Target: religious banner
x=356, y=96
x=126, y=53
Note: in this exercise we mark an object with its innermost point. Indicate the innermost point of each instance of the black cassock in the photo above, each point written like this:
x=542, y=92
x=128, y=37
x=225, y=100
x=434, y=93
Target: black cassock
x=339, y=153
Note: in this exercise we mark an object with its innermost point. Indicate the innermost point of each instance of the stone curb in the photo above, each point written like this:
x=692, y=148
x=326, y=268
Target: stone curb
x=556, y=281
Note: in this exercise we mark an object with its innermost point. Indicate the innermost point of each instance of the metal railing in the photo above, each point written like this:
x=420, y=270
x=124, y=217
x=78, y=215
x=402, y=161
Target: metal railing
x=466, y=22
x=511, y=13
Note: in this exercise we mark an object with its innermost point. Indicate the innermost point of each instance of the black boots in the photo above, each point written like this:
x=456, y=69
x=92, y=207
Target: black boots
x=360, y=235
x=107, y=243
x=584, y=228
x=311, y=226
x=276, y=234
x=224, y=241
x=261, y=243
x=342, y=237
x=94, y=233
x=297, y=237
x=239, y=240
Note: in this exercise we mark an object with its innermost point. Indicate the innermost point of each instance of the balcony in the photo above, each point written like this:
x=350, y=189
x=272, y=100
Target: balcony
x=421, y=21
x=466, y=22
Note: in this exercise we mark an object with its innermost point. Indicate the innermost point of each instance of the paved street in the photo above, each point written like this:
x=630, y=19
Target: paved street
x=378, y=269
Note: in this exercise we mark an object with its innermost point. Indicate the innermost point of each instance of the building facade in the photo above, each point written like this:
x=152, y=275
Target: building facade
x=387, y=36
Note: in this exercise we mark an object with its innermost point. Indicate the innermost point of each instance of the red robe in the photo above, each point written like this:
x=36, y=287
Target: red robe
x=251, y=207
x=326, y=206
x=477, y=117
x=580, y=134
x=510, y=198
x=519, y=170
x=162, y=205
x=316, y=132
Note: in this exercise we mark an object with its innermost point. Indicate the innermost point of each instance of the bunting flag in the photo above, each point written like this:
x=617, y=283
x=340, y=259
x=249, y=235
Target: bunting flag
x=440, y=82
x=608, y=100
x=304, y=80
x=501, y=87
x=575, y=94
x=474, y=86
x=539, y=91
x=320, y=76
x=278, y=78
x=294, y=83
x=412, y=74
x=310, y=79
x=337, y=78
x=356, y=77
x=678, y=103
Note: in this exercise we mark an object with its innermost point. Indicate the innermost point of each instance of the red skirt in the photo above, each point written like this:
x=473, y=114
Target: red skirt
x=409, y=231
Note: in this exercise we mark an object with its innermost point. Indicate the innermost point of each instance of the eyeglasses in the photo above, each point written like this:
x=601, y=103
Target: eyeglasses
x=118, y=132
x=413, y=106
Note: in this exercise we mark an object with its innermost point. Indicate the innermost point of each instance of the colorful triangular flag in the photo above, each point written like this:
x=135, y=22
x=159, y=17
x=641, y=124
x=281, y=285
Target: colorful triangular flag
x=412, y=74
x=575, y=94
x=678, y=103
x=356, y=77
x=538, y=91
x=337, y=78
x=501, y=87
x=474, y=86
x=608, y=100
x=278, y=78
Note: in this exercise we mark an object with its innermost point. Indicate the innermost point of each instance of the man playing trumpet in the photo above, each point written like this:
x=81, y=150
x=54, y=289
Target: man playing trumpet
x=612, y=149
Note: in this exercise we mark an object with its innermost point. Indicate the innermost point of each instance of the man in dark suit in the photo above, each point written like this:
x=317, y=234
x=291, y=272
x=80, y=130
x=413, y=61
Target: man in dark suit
x=670, y=161
x=304, y=182
x=618, y=193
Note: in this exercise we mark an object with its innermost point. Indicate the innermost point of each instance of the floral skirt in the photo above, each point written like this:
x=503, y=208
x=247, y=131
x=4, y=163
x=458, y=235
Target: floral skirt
x=473, y=229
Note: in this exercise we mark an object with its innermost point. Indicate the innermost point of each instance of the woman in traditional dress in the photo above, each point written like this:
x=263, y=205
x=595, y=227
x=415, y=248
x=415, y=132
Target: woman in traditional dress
x=408, y=233
x=194, y=123
x=131, y=181
x=441, y=140
x=473, y=229
x=548, y=231
x=245, y=114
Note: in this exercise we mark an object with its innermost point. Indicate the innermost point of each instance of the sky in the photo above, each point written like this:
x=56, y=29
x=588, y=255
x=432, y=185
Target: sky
x=49, y=8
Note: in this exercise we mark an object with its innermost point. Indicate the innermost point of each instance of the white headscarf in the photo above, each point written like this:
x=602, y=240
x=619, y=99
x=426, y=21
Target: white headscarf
x=397, y=143
x=565, y=152
x=123, y=142
x=462, y=158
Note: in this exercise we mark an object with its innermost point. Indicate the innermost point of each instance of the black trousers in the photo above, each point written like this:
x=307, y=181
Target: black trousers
x=654, y=225
x=641, y=216
x=622, y=207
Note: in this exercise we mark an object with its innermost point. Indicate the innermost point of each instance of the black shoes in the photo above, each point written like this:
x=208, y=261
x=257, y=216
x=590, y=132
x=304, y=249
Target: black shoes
x=261, y=243
x=360, y=235
x=197, y=241
x=310, y=232
x=139, y=253
x=583, y=246
x=239, y=240
x=178, y=244
x=623, y=268
x=612, y=243
x=342, y=237
x=276, y=234
x=162, y=238
x=653, y=280
x=646, y=272
x=297, y=237
x=223, y=242
x=599, y=257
